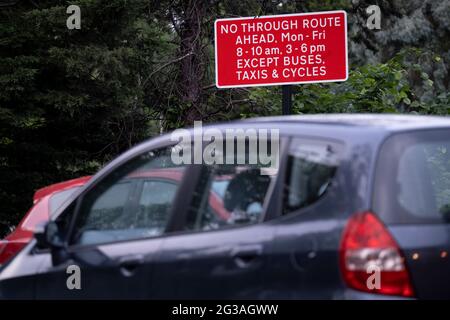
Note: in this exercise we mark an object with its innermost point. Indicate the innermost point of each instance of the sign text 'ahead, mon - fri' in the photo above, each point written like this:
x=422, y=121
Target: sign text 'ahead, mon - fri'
x=284, y=49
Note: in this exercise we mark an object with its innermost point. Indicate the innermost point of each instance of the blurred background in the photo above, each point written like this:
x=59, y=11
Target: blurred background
x=71, y=100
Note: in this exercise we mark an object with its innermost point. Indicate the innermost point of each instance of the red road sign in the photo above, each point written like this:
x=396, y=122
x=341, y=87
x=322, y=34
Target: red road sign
x=282, y=49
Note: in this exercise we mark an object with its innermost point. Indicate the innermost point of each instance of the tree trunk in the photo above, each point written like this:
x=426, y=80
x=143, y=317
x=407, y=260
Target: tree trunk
x=192, y=67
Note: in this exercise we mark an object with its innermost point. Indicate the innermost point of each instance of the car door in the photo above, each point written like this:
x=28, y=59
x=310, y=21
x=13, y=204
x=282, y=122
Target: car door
x=115, y=234
x=221, y=247
x=304, y=259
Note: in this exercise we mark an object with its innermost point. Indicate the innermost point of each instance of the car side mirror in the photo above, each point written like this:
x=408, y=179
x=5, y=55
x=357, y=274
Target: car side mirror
x=48, y=236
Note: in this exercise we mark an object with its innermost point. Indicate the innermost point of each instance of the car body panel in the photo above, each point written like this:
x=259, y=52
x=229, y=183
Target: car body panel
x=300, y=248
x=38, y=214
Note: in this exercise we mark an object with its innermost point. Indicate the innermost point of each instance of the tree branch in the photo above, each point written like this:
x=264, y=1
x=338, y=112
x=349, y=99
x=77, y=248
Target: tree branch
x=165, y=66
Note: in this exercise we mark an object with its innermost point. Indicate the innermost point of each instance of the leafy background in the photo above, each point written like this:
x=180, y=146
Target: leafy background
x=71, y=100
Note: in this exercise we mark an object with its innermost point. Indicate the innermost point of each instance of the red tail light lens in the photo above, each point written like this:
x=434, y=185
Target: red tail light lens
x=367, y=247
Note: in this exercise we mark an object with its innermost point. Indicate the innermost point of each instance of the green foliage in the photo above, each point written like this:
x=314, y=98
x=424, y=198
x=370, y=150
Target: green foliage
x=69, y=100
x=389, y=87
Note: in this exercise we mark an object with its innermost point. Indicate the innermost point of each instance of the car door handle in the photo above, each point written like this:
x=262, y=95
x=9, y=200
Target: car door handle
x=129, y=264
x=245, y=257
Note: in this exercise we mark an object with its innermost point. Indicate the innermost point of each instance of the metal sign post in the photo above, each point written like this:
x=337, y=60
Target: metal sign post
x=286, y=107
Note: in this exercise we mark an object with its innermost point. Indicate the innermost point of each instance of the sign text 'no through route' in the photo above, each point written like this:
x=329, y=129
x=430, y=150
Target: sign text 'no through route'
x=282, y=49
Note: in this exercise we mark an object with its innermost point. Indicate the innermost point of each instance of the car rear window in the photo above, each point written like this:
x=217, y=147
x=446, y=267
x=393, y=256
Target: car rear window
x=413, y=178
x=58, y=198
x=40, y=213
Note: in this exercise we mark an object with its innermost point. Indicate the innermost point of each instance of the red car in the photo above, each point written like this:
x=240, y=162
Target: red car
x=48, y=199
x=45, y=202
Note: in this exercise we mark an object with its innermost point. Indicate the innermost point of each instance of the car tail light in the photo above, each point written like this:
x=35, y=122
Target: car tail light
x=368, y=247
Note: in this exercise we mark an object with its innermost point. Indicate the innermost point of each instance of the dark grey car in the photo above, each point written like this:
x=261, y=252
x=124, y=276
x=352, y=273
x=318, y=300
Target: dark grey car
x=359, y=207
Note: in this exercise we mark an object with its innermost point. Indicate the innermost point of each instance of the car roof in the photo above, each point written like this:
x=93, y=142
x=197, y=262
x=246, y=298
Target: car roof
x=383, y=122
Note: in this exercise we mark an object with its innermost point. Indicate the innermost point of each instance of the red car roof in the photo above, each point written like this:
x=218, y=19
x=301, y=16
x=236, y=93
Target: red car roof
x=39, y=194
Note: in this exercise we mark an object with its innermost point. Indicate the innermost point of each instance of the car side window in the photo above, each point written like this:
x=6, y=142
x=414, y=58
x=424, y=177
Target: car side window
x=109, y=208
x=311, y=167
x=155, y=202
x=132, y=202
x=229, y=195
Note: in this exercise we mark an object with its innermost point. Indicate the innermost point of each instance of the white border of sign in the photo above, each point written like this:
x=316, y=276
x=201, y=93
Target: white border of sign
x=277, y=16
